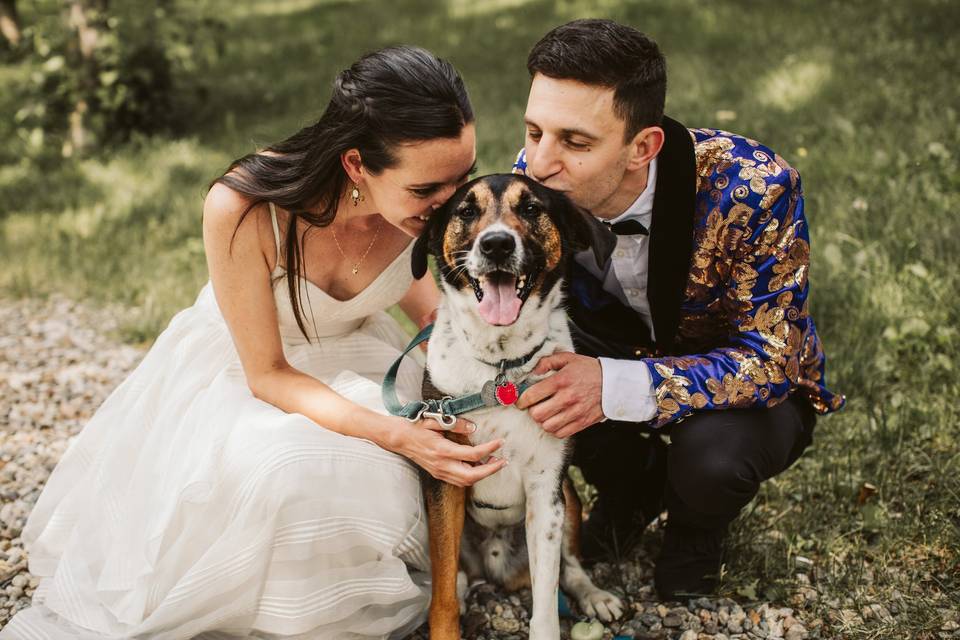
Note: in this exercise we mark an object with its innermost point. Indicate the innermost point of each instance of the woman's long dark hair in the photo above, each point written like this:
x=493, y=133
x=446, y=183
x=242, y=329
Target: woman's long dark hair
x=393, y=95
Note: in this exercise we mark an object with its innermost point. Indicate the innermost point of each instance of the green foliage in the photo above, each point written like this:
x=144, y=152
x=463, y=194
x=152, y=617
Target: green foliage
x=146, y=75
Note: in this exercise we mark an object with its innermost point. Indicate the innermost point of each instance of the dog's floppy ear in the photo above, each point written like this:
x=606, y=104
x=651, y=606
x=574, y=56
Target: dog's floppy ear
x=418, y=258
x=590, y=233
x=421, y=248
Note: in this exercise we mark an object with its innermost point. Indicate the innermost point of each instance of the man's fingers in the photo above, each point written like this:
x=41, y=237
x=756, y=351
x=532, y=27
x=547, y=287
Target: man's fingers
x=556, y=422
x=552, y=362
x=567, y=431
x=550, y=408
x=536, y=393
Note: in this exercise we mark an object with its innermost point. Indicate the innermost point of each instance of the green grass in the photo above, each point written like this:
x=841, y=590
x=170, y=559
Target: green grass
x=860, y=97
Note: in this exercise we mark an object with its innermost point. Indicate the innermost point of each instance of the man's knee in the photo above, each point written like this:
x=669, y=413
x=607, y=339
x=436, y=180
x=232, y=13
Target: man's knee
x=718, y=459
x=711, y=472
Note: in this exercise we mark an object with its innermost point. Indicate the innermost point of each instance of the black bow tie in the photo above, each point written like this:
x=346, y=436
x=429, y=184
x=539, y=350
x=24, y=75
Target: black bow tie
x=628, y=228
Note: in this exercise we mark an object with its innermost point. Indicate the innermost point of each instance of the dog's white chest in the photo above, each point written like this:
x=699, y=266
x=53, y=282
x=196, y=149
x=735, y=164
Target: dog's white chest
x=498, y=500
x=532, y=455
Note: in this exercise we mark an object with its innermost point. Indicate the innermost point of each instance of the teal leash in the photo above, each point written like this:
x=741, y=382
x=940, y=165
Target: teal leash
x=496, y=392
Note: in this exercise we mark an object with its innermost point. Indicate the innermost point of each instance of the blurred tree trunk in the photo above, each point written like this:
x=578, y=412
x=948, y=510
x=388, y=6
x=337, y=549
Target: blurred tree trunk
x=10, y=22
x=87, y=20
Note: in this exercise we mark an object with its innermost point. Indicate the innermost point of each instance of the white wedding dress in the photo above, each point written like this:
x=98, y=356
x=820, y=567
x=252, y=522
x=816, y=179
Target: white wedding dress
x=188, y=508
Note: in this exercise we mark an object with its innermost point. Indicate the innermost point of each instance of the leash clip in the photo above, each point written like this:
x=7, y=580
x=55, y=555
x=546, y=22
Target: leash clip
x=446, y=420
x=419, y=413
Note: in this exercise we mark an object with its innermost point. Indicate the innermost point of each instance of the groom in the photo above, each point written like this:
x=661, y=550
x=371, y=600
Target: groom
x=697, y=327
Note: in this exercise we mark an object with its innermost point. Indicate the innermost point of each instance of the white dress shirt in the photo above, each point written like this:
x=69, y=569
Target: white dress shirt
x=628, y=392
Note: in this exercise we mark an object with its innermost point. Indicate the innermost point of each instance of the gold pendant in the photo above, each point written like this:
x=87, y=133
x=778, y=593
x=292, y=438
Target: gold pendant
x=356, y=196
x=356, y=270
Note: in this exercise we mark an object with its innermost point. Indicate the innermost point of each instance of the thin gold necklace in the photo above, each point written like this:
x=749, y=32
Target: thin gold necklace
x=356, y=267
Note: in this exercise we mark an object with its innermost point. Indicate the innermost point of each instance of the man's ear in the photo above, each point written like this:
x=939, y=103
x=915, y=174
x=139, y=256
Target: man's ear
x=590, y=233
x=644, y=147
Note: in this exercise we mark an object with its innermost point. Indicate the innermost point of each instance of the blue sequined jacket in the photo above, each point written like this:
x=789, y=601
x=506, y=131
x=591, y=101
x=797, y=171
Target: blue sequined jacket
x=727, y=286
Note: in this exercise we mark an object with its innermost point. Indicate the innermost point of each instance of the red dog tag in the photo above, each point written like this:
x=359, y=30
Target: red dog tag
x=507, y=393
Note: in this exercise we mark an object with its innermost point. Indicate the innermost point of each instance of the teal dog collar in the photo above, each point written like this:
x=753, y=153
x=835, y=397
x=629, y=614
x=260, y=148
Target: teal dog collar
x=496, y=392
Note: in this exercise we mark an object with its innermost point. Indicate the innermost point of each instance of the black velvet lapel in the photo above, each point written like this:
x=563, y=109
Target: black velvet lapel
x=599, y=314
x=671, y=236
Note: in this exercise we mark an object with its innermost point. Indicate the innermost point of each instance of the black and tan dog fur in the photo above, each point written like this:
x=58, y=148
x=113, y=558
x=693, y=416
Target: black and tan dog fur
x=507, y=237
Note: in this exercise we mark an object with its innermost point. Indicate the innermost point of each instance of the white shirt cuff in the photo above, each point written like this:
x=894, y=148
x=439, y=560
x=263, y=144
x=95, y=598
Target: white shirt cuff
x=627, y=393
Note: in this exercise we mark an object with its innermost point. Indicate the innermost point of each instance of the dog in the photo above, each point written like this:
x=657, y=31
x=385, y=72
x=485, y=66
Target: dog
x=502, y=243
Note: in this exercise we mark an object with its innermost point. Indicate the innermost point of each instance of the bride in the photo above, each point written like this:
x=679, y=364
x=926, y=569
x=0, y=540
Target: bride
x=245, y=480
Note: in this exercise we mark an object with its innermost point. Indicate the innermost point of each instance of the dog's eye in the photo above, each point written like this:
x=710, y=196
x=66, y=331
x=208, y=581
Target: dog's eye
x=469, y=211
x=531, y=209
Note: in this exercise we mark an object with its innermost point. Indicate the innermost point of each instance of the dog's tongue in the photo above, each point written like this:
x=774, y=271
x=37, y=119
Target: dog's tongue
x=500, y=304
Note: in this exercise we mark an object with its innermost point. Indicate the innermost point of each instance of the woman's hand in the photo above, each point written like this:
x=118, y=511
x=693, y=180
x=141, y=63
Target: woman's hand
x=458, y=464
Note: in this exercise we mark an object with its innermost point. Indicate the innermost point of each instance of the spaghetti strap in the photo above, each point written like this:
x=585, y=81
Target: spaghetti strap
x=276, y=232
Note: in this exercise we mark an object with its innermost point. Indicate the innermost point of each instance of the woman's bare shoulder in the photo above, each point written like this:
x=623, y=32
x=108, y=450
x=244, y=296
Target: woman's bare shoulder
x=224, y=201
x=225, y=225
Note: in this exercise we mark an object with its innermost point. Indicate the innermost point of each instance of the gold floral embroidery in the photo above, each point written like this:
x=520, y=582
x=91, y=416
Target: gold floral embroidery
x=704, y=257
x=698, y=400
x=774, y=191
x=711, y=152
x=757, y=174
x=673, y=385
x=766, y=321
x=731, y=390
x=751, y=367
x=685, y=363
x=748, y=241
x=768, y=239
x=792, y=270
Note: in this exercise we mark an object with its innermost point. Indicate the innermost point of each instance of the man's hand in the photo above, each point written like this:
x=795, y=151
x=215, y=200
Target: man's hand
x=569, y=401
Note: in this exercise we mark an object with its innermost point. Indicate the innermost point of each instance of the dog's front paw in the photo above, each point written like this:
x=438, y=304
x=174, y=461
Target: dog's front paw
x=601, y=604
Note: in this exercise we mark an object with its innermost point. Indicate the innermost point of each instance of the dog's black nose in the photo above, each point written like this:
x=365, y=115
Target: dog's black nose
x=497, y=246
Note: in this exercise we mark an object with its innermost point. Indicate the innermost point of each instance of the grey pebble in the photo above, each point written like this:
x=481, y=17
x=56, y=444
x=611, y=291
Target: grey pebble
x=650, y=619
x=672, y=620
x=473, y=622
x=502, y=624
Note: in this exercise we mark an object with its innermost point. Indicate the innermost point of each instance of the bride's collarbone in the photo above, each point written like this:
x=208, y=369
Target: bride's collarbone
x=345, y=275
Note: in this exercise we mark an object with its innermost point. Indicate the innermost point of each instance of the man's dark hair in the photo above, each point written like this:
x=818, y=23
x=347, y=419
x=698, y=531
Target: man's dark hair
x=609, y=54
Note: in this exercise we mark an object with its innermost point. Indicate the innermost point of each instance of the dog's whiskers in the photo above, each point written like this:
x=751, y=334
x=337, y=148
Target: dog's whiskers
x=458, y=271
x=459, y=267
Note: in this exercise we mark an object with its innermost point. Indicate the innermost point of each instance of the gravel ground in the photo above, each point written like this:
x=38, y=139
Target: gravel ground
x=58, y=362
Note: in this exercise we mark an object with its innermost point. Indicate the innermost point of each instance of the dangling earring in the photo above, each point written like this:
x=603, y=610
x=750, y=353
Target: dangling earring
x=356, y=195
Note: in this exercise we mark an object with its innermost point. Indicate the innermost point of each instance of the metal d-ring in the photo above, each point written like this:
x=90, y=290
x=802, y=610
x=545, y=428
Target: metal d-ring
x=501, y=378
